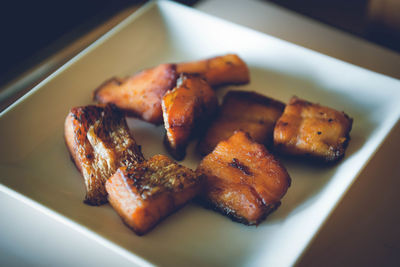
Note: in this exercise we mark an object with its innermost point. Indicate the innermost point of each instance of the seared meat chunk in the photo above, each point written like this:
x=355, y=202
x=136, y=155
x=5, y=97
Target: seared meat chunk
x=243, y=180
x=140, y=95
x=99, y=142
x=186, y=109
x=144, y=194
x=310, y=130
x=220, y=70
x=247, y=111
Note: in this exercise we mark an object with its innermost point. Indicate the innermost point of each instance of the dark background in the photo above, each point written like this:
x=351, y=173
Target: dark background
x=33, y=30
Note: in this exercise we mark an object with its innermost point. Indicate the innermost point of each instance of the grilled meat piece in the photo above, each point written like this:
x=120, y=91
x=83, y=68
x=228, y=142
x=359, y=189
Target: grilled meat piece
x=221, y=70
x=186, y=109
x=144, y=194
x=247, y=111
x=140, y=95
x=310, y=130
x=243, y=180
x=99, y=142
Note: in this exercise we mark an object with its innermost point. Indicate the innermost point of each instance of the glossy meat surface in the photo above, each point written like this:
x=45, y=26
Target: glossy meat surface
x=220, y=70
x=243, y=180
x=146, y=193
x=99, y=142
x=186, y=108
x=247, y=111
x=311, y=130
x=140, y=95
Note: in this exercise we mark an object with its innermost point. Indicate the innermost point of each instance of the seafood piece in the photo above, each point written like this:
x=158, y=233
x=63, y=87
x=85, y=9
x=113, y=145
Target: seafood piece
x=243, y=180
x=220, y=70
x=186, y=109
x=145, y=193
x=313, y=131
x=140, y=94
x=99, y=142
x=247, y=111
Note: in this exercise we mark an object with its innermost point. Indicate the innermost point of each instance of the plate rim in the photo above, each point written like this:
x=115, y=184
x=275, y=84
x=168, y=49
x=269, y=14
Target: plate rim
x=97, y=237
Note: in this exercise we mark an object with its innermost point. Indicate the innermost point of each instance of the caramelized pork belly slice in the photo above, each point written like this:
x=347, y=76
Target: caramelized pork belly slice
x=186, y=109
x=99, y=142
x=247, y=111
x=221, y=70
x=243, y=180
x=314, y=131
x=140, y=95
x=144, y=194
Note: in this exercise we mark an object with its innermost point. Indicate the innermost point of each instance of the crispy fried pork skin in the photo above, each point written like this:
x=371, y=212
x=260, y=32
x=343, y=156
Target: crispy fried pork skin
x=186, y=108
x=243, y=180
x=312, y=131
x=247, y=111
x=99, y=142
x=221, y=70
x=140, y=95
x=146, y=193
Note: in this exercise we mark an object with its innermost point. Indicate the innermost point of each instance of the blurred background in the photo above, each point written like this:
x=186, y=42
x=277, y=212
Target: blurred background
x=45, y=34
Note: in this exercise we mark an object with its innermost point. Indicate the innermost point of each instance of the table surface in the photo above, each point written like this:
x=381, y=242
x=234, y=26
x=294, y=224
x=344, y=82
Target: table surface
x=363, y=229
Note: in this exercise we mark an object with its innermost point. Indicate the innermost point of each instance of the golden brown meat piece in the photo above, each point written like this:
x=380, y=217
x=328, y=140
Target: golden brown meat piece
x=140, y=95
x=146, y=193
x=186, y=109
x=221, y=70
x=99, y=142
x=247, y=111
x=243, y=180
x=311, y=130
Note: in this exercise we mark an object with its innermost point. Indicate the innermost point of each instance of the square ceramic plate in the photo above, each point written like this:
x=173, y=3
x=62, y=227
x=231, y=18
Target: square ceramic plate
x=35, y=165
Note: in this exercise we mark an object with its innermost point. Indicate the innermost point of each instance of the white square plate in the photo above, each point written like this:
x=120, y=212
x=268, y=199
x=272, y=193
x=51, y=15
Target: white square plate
x=35, y=165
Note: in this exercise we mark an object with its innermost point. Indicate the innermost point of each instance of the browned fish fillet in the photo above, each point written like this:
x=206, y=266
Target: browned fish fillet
x=314, y=131
x=99, y=142
x=186, y=109
x=221, y=70
x=140, y=95
x=144, y=194
x=243, y=180
x=247, y=111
